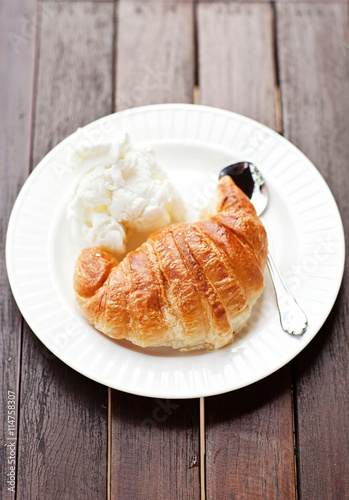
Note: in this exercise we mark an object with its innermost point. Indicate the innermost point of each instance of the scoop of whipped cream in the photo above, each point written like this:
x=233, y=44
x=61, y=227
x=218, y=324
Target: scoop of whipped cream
x=121, y=188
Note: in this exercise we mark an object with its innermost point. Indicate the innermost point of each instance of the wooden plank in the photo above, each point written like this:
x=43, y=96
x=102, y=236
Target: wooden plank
x=236, y=61
x=80, y=78
x=315, y=101
x=17, y=59
x=263, y=1
x=204, y=1
x=249, y=433
x=52, y=2
x=249, y=442
x=154, y=448
x=87, y=1
x=157, y=1
x=154, y=443
x=226, y=2
x=156, y=53
x=63, y=418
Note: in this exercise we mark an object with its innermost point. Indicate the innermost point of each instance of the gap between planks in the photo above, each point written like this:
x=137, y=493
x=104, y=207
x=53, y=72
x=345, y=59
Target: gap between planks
x=202, y=451
x=279, y=129
x=202, y=462
x=109, y=446
x=294, y=424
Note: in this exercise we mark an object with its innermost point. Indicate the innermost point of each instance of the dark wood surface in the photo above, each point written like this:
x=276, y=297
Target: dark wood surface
x=64, y=64
x=318, y=123
x=64, y=420
x=16, y=101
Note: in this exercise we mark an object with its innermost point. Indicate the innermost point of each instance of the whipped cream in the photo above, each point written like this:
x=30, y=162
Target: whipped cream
x=121, y=188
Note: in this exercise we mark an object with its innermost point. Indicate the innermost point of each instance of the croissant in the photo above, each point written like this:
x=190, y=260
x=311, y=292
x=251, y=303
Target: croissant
x=189, y=286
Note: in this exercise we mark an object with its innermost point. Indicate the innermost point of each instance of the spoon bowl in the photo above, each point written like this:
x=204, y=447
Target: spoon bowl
x=250, y=180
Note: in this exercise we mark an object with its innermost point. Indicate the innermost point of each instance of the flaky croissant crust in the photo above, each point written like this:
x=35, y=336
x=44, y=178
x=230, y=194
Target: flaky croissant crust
x=189, y=286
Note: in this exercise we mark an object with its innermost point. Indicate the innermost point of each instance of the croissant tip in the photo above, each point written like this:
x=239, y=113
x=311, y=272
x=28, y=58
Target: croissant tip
x=92, y=268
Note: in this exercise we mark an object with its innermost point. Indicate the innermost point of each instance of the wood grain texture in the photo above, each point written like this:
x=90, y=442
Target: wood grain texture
x=271, y=1
x=236, y=59
x=63, y=418
x=249, y=442
x=226, y=2
x=72, y=1
x=249, y=433
x=154, y=443
x=87, y=1
x=314, y=78
x=155, y=53
x=17, y=55
x=75, y=71
x=169, y=2
x=63, y=429
x=155, y=448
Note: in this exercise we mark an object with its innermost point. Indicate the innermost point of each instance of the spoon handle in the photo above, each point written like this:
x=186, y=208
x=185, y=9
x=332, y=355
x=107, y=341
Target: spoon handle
x=292, y=318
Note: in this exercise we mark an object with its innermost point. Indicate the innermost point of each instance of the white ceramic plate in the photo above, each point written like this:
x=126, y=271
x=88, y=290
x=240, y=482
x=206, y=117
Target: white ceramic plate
x=192, y=143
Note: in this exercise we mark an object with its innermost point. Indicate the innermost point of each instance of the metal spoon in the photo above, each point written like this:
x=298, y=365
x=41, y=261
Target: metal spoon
x=249, y=179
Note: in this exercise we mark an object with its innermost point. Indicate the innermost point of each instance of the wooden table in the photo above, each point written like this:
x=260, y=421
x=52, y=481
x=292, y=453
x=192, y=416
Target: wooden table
x=64, y=64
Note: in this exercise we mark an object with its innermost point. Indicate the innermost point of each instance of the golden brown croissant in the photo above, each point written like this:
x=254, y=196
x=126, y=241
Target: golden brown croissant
x=189, y=286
